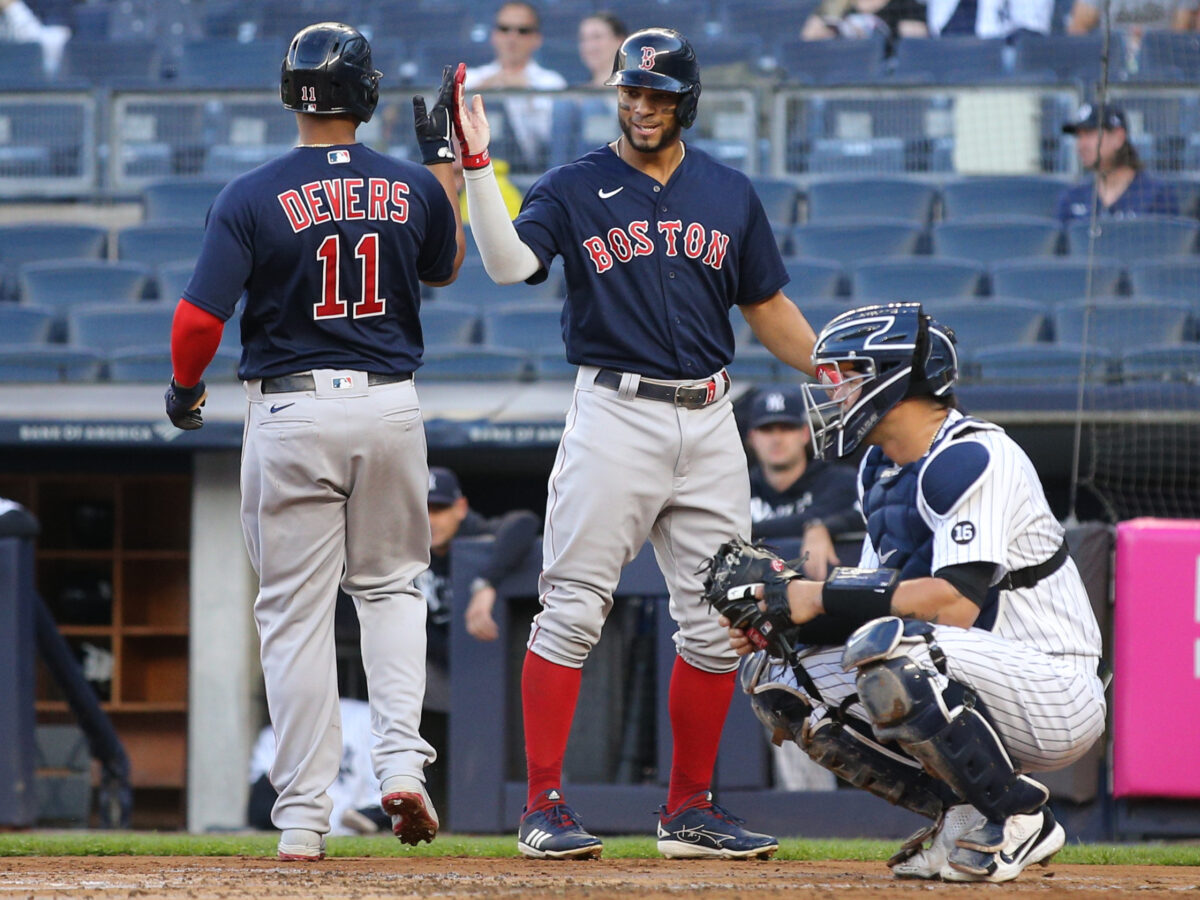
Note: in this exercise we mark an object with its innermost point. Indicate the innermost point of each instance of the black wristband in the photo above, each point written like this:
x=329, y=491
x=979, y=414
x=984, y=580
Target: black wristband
x=859, y=595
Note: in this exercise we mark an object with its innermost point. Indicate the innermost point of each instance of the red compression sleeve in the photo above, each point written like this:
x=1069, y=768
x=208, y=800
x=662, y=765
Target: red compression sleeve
x=698, y=703
x=195, y=335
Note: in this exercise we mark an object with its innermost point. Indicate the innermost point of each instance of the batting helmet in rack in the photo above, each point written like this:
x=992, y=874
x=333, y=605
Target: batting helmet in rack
x=660, y=59
x=328, y=71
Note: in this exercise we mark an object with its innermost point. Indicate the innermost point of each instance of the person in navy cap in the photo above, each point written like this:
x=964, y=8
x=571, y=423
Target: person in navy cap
x=1124, y=188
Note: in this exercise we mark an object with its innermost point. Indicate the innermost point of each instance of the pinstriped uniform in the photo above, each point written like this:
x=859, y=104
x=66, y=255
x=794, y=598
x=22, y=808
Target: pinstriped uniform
x=1035, y=668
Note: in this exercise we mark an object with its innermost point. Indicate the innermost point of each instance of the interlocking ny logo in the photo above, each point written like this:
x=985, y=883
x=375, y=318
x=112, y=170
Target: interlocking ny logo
x=648, y=54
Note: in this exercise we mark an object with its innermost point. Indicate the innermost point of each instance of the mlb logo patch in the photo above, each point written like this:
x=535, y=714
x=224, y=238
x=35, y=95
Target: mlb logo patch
x=338, y=156
x=342, y=382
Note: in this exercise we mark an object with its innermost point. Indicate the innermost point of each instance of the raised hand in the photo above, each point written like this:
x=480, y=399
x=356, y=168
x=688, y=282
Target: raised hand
x=433, y=126
x=470, y=124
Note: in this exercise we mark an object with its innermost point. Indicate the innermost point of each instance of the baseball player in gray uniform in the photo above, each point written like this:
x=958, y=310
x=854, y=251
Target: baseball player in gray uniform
x=976, y=651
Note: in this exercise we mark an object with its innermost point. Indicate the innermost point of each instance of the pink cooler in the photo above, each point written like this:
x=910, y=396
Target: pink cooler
x=1156, y=659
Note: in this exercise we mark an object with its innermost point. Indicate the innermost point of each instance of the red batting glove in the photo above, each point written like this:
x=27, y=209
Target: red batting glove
x=470, y=125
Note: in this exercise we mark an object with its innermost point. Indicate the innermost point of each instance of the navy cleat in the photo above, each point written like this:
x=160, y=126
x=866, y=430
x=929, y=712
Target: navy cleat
x=553, y=831
x=702, y=830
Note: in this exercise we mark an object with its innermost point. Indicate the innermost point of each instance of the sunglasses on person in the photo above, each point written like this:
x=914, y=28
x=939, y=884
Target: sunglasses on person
x=519, y=29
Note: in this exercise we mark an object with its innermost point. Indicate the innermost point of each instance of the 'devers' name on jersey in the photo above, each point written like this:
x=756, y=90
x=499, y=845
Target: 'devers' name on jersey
x=343, y=199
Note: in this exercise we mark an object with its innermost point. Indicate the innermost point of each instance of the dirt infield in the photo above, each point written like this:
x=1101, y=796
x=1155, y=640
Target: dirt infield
x=231, y=878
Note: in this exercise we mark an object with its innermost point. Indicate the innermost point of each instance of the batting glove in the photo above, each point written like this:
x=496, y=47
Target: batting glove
x=433, y=126
x=183, y=405
x=470, y=124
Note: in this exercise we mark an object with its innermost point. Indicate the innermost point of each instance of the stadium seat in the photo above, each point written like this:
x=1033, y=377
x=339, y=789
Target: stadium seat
x=172, y=279
x=996, y=238
x=1162, y=122
x=986, y=322
x=813, y=277
x=224, y=161
x=779, y=198
x=1067, y=57
x=1053, y=280
x=1039, y=364
x=179, y=200
x=1170, y=56
x=447, y=322
x=475, y=362
x=50, y=363
x=155, y=245
x=474, y=287
x=532, y=327
x=551, y=366
x=893, y=198
x=1007, y=195
x=1187, y=190
x=219, y=62
x=561, y=55
x=1133, y=240
x=57, y=284
x=1120, y=324
x=283, y=18
x=154, y=366
x=834, y=156
x=21, y=65
x=833, y=62
x=918, y=278
x=1162, y=362
x=949, y=60
x=1170, y=278
x=819, y=312
x=849, y=241
x=28, y=243
x=754, y=362
x=24, y=325
x=129, y=63
x=106, y=328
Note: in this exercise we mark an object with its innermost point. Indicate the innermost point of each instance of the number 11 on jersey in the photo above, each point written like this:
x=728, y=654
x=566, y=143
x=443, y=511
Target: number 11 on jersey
x=331, y=305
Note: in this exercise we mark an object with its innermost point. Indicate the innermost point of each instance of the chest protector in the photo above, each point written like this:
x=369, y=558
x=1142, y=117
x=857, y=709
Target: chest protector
x=900, y=536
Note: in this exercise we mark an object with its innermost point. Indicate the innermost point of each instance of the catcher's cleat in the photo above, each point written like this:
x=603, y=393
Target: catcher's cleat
x=1029, y=839
x=413, y=816
x=553, y=831
x=914, y=860
x=299, y=845
x=700, y=829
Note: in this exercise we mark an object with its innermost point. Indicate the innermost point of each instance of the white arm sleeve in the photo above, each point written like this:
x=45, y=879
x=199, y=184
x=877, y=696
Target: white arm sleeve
x=506, y=257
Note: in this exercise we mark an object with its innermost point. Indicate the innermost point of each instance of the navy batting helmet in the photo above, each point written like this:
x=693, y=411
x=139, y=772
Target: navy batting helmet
x=660, y=59
x=328, y=71
x=868, y=360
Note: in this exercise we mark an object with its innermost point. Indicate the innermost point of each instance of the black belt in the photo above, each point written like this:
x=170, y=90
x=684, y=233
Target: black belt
x=304, y=381
x=1031, y=575
x=689, y=396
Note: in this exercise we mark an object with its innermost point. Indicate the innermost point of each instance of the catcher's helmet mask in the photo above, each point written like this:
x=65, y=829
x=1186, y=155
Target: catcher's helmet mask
x=328, y=71
x=660, y=59
x=867, y=361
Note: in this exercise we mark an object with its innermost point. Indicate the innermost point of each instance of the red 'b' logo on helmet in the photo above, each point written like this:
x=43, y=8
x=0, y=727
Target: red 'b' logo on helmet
x=648, y=54
x=777, y=565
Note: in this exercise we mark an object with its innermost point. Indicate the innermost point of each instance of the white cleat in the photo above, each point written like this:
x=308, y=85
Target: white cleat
x=917, y=860
x=299, y=845
x=1029, y=839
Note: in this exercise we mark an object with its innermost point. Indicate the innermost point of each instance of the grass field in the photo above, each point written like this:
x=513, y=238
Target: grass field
x=100, y=843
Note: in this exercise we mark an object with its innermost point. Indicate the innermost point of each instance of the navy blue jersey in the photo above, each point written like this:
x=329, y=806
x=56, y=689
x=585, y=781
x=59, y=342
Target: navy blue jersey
x=652, y=270
x=1146, y=195
x=826, y=491
x=329, y=245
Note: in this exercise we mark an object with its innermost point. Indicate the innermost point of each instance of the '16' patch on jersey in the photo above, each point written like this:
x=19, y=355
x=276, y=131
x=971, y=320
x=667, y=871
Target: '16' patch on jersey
x=962, y=533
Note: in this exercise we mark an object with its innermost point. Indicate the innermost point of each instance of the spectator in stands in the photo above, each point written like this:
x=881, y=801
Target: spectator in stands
x=600, y=37
x=20, y=25
x=1125, y=189
x=1132, y=18
x=516, y=37
x=862, y=18
x=793, y=495
x=989, y=18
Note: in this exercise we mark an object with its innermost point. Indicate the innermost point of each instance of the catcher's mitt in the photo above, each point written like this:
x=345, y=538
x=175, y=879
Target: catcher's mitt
x=733, y=573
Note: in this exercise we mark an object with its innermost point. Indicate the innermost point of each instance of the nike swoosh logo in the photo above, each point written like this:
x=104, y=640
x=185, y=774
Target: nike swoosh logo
x=282, y=406
x=882, y=559
x=604, y=195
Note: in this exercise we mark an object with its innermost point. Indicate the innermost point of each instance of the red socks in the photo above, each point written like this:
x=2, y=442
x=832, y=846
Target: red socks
x=698, y=705
x=548, y=696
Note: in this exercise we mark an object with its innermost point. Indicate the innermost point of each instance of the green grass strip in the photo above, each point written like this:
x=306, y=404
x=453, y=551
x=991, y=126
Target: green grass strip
x=138, y=843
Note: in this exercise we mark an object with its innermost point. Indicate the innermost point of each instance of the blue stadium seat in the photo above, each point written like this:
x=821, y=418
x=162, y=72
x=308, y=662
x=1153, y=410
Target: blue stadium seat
x=1188, y=192
x=128, y=63
x=157, y=244
x=1008, y=195
x=949, y=60
x=864, y=117
x=1067, y=57
x=476, y=362
x=28, y=243
x=24, y=325
x=987, y=322
x=21, y=65
x=28, y=364
x=106, y=328
x=283, y=18
x=818, y=278
x=219, y=62
x=1040, y=364
x=769, y=20
x=1170, y=56
x=172, y=279
x=183, y=200
x=850, y=198
x=1053, y=280
x=1162, y=362
x=532, y=327
x=753, y=362
x=474, y=287
x=1170, y=278
x=996, y=238
x=918, y=278
x=833, y=62
x=819, y=312
x=834, y=156
x=154, y=366
x=447, y=322
x=1160, y=125
x=779, y=198
x=58, y=284
x=849, y=241
x=1133, y=240
x=224, y=161
x=561, y=55
x=550, y=366
x=720, y=50
x=1120, y=324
